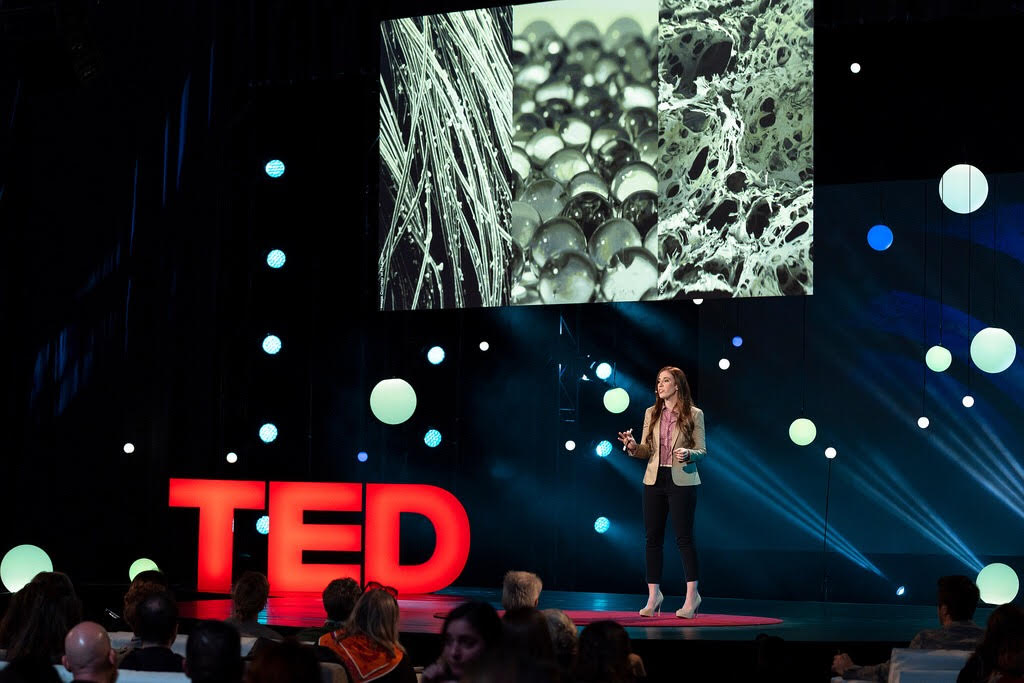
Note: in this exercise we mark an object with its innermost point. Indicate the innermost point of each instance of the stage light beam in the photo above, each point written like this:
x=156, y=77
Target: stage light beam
x=601, y=525
x=603, y=370
x=276, y=259
x=603, y=449
x=901, y=590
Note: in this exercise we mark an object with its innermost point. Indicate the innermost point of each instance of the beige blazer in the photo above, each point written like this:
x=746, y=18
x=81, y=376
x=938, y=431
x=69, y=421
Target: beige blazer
x=681, y=475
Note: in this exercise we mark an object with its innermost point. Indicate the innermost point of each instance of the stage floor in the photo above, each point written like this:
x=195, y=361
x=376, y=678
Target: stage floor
x=801, y=621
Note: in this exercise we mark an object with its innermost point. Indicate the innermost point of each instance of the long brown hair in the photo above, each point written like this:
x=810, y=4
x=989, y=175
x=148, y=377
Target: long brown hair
x=684, y=418
x=376, y=617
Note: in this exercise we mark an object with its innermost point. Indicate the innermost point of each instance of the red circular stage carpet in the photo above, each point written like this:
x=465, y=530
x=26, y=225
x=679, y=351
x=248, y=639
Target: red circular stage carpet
x=667, y=619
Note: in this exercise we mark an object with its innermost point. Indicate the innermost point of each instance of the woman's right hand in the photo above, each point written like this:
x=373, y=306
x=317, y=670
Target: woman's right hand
x=628, y=442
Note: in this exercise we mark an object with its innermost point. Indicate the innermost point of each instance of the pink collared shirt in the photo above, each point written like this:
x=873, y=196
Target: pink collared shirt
x=668, y=421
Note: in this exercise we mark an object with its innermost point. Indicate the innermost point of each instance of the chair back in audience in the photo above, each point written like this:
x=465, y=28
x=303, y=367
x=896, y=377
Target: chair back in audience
x=120, y=639
x=926, y=666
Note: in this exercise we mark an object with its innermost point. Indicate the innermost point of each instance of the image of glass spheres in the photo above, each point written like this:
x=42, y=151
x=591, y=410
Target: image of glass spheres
x=585, y=138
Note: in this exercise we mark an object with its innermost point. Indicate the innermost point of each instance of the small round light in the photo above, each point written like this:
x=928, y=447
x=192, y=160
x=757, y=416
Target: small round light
x=129, y=448
x=271, y=344
x=601, y=525
x=21, y=564
x=276, y=259
x=143, y=564
x=880, y=237
x=923, y=422
x=484, y=346
x=274, y=168
x=362, y=456
x=993, y=350
x=724, y=363
x=855, y=68
x=900, y=591
x=432, y=438
x=263, y=525
x=802, y=431
x=393, y=401
x=963, y=188
x=603, y=370
x=616, y=400
x=737, y=341
x=603, y=449
x=998, y=583
x=570, y=445
x=938, y=358
x=435, y=355
x=698, y=302
x=232, y=458
x=831, y=452
x=968, y=401
x=268, y=432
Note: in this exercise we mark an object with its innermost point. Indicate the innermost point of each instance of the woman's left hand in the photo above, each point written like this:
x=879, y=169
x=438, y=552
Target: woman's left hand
x=682, y=455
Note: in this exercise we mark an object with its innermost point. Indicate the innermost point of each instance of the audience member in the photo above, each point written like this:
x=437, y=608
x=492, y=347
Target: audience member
x=156, y=625
x=564, y=639
x=520, y=589
x=39, y=616
x=339, y=598
x=367, y=644
x=470, y=631
x=248, y=598
x=1009, y=666
x=526, y=634
x=284, y=662
x=605, y=655
x=88, y=655
x=139, y=590
x=213, y=653
x=29, y=669
x=504, y=666
x=1004, y=622
x=957, y=600
x=771, y=661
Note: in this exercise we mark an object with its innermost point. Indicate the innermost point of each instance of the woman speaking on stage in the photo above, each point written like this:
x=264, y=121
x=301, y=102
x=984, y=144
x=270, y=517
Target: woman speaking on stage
x=673, y=443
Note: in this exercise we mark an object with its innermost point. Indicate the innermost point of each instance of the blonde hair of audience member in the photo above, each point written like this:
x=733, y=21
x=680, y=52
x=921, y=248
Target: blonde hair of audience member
x=520, y=589
x=376, y=617
x=88, y=655
x=564, y=638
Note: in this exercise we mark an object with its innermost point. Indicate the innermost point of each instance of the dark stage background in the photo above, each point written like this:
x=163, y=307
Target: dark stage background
x=135, y=297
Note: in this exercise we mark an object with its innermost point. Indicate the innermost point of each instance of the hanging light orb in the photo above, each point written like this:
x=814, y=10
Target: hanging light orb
x=802, y=431
x=963, y=188
x=993, y=350
x=968, y=401
x=831, y=452
x=616, y=400
x=393, y=401
x=923, y=422
x=998, y=583
x=938, y=358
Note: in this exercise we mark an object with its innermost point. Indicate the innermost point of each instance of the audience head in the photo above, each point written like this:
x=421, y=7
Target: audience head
x=604, y=654
x=1010, y=656
x=520, y=589
x=137, y=592
x=957, y=599
x=1005, y=622
x=564, y=637
x=87, y=653
x=375, y=616
x=213, y=653
x=284, y=662
x=340, y=597
x=156, y=619
x=39, y=616
x=469, y=631
x=249, y=595
x=151, y=576
x=526, y=632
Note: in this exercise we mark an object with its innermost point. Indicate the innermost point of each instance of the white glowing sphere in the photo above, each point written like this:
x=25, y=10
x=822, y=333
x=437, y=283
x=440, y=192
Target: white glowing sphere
x=129, y=448
x=802, y=431
x=616, y=400
x=570, y=445
x=232, y=458
x=143, y=564
x=698, y=301
x=938, y=358
x=830, y=452
x=998, y=584
x=993, y=350
x=923, y=422
x=21, y=564
x=393, y=401
x=724, y=363
x=484, y=346
x=968, y=401
x=963, y=188
x=855, y=68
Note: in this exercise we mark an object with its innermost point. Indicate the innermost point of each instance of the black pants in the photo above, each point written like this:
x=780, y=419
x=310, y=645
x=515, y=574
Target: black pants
x=660, y=499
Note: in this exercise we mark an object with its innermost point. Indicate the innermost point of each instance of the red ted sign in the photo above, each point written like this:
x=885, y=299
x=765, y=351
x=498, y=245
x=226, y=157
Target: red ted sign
x=217, y=501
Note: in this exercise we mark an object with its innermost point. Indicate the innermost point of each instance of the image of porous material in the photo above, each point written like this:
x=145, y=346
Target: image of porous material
x=445, y=173
x=735, y=162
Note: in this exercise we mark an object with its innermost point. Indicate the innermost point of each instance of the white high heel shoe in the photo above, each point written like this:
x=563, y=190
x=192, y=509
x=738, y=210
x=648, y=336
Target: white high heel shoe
x=656, y=607
x=684, y=613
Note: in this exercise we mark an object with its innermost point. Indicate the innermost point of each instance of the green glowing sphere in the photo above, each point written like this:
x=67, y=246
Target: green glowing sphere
x=802, y=431
x=993, y=350
x=998, y=584
x=616, y=400
x=938, y=358
x=21, y=564
x=393, y=401
x=143, y=564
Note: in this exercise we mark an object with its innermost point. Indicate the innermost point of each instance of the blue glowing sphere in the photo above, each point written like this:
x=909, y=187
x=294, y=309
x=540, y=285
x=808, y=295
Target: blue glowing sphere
x=362, y=456
x=272, y=344
x=601, y=525
x=603, y=370
x=276, y=258
x=737, y=341
x=880, y=237
x=275, y=168
x=435, y=355
x=268, y=433
x=604, y=449
x=900, y=591
x=432, y=438
x=263, y=525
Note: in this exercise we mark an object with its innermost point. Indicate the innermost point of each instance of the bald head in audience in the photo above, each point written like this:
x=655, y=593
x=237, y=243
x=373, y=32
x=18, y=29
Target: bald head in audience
x=88, y=655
